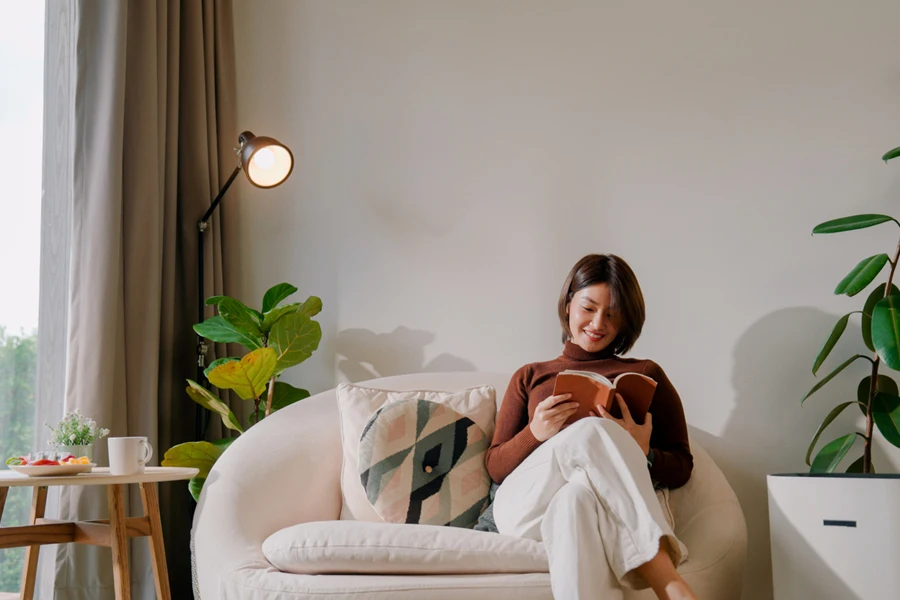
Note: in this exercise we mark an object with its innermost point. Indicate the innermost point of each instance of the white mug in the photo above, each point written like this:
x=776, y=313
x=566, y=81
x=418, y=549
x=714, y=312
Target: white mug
x=128, y=455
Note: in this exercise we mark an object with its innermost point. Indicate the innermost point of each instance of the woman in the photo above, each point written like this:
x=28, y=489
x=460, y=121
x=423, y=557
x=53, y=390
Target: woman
x=587, y=490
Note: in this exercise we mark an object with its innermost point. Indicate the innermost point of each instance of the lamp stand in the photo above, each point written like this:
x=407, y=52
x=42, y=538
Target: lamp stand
x=202, y=420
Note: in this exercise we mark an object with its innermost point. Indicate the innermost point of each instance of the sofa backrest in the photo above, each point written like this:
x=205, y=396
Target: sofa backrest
x=441, y=382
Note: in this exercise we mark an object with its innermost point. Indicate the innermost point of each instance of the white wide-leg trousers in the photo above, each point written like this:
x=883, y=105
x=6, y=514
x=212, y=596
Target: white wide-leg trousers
x=586, y=493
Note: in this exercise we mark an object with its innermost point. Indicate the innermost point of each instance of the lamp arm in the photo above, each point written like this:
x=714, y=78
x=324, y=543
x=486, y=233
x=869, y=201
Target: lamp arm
x=212, y=207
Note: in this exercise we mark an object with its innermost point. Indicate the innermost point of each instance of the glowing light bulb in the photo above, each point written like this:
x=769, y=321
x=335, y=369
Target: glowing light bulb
x=264, y=159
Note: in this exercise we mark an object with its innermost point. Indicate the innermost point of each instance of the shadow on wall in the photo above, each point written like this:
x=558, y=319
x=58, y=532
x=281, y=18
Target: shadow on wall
x=768, y=431
x=364, y=354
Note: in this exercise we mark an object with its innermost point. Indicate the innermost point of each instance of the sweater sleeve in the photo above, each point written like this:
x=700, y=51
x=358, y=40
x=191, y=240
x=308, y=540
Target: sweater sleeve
x=513, y=440
x=672, y=459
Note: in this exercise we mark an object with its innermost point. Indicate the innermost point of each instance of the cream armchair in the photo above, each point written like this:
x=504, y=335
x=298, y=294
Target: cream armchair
x=286, y=471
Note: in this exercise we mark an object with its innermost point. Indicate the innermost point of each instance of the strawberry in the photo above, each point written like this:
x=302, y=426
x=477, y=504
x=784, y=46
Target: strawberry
x=44, y=463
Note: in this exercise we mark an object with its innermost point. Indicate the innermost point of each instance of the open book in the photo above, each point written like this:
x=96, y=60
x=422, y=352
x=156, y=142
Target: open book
x=592, y=389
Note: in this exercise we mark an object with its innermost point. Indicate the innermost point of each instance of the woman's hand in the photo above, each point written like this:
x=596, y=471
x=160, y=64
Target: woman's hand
x=550, y=415
x=640, y=433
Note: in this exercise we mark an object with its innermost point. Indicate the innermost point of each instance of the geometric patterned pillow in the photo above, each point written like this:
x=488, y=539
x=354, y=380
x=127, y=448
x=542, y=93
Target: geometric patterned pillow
x=422, y=462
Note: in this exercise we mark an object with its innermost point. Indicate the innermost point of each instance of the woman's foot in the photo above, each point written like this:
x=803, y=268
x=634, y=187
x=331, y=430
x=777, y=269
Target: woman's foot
x=678, y=590
x=660, y=573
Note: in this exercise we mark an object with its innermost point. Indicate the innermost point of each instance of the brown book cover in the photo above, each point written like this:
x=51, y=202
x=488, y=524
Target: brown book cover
x=592, y=389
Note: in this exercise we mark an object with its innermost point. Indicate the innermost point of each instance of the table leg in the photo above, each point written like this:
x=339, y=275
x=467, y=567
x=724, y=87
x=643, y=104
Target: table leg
x=3, y=492
x=118, y=541
x=160, y=570
x=29, y=574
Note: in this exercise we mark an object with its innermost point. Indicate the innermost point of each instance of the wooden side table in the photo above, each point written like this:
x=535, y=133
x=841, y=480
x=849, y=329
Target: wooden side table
x=113, y=532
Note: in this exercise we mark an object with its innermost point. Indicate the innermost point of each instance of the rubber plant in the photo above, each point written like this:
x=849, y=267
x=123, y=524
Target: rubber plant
x=877, y=394
x=277, y=338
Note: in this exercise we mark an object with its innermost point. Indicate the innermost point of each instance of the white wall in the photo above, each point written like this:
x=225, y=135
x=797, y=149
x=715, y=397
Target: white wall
x=454, y=159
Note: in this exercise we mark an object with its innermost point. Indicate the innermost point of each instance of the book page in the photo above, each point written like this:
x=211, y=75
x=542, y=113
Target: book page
x=591, y=375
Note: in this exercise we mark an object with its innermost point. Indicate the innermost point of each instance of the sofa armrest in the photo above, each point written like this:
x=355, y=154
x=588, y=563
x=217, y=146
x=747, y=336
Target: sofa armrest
x=710, y=522
x=282, y=472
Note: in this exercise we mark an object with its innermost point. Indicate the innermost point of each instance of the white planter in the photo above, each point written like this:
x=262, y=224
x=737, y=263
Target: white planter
x=77, y=451
x=834, y=537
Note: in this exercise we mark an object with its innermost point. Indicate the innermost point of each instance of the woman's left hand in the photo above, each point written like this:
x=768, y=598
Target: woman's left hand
x=640, y=433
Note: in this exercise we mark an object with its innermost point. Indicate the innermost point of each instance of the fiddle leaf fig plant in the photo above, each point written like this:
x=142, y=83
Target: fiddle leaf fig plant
x=277, y=337
x=877, y=394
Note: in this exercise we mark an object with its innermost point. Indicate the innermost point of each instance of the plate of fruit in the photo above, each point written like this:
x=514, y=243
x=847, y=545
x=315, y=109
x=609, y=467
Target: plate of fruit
x=44, y=466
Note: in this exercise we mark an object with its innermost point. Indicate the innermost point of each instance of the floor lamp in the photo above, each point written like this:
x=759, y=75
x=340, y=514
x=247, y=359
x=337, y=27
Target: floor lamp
x=267, y=163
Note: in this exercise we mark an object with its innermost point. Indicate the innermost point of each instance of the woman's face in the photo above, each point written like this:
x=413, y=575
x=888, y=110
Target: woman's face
x=591, y=322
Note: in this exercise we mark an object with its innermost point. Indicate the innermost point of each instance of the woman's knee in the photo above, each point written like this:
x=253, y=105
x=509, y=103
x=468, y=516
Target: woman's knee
x=596, y=433
x=591, y=426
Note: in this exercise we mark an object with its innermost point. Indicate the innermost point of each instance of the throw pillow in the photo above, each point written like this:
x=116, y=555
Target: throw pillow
x=357, y=404
x=421, y=462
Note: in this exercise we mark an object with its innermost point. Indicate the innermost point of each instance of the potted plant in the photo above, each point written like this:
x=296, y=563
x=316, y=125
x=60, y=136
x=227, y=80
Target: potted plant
x=75, y=434
x=825, y=524
x=277, y=337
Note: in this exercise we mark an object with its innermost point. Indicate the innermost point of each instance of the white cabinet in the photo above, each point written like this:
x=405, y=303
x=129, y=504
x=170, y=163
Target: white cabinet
x=835, y=537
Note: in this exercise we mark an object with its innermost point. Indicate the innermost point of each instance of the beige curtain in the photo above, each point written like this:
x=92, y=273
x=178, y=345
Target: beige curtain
x=154, y=123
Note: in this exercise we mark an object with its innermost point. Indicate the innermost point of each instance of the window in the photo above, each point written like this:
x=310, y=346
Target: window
x=21, y=124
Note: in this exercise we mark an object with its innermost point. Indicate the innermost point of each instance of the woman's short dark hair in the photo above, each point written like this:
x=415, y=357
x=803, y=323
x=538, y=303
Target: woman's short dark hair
x=626, y=299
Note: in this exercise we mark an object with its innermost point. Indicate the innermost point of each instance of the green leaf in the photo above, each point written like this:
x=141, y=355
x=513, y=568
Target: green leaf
x=860, y=277
x=885, y=384
x=271, y=317
x=851, y=223
x=876, y=295
x=311, y=306
x=891, y=154
x=196, y=455
x=857, y=466
x=216, y=363
x=210, y=401
x=285, y=394
x=886, y=413
x=886, y=330
x=217, y=329
x=275, y=295
x=831, y=454
x=224, y=443
x=214, y=300
x=242, y=319
x=828, y=419
x=195, y=486
x=248, y=376
x=836, y=333
x=295, y=337
x=830, y=376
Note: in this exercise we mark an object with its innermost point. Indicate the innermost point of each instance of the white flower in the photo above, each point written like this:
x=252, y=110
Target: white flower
x=72, y=438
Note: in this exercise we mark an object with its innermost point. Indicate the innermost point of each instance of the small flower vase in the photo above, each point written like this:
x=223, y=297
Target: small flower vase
x=77, y=451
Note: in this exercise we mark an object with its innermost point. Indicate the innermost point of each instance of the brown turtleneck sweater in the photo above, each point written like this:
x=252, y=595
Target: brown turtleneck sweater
x=533, y=383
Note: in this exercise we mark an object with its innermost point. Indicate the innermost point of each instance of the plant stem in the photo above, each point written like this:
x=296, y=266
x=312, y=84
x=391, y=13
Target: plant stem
x=271, y=395
x=256, y=406
x=873, y=385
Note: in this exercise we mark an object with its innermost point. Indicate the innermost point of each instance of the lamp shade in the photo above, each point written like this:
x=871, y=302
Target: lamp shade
x=266, y=161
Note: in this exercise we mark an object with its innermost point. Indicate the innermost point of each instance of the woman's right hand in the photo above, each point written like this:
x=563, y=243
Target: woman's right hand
x=550, y=415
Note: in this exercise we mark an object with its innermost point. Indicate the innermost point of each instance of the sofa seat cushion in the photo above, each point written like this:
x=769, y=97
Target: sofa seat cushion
x=328, y=547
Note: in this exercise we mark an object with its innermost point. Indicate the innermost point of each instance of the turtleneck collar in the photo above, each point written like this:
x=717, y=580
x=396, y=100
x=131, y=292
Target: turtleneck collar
x=576, y=352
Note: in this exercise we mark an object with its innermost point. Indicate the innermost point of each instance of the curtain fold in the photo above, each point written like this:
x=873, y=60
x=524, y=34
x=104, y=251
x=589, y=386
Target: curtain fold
x=154, y=127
